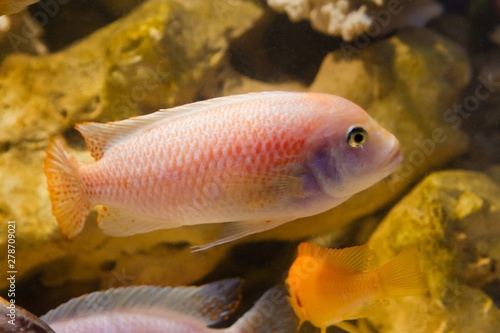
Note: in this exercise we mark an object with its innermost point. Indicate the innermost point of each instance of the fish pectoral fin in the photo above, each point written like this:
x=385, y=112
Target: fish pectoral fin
x=231, y=231
x=118, y=223
x=356, y=258
x=264, y=190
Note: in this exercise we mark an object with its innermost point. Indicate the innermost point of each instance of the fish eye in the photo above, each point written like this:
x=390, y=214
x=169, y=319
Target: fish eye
x=356, y=136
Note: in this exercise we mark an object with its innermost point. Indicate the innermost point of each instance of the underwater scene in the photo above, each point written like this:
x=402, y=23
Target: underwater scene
x=246, y=166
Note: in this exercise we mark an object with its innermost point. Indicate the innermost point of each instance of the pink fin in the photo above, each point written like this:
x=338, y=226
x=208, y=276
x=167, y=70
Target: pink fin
x=235, y=230
x=69, y=205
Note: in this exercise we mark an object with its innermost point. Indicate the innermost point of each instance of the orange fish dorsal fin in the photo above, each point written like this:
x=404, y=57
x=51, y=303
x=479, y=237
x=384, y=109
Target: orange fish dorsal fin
x=101, y=137
x=356, y=258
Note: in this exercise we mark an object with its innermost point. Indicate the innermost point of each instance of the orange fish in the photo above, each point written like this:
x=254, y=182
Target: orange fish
x=255, y=161
x=329, y=286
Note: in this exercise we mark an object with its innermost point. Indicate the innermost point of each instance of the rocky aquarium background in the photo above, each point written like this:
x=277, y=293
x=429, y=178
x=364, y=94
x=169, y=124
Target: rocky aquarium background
x=428, y=71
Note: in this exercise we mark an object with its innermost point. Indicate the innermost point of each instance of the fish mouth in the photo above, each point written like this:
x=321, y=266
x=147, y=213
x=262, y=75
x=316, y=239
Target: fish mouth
x=394, y=159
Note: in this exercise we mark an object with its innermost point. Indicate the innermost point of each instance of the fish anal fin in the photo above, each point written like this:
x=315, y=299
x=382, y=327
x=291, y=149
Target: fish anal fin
x=231, y=231
x=356, y=258
x=119, y=223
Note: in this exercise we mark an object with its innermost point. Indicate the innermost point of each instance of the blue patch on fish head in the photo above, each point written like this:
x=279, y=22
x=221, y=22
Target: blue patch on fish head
x=345, y=165
x=323, y=166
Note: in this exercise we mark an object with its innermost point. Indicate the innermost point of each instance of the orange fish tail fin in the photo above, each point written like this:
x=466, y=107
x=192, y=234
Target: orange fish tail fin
x=402, y=276
x=69, y=205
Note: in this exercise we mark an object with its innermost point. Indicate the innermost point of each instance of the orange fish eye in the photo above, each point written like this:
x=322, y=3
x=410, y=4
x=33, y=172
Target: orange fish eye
x=356, y=136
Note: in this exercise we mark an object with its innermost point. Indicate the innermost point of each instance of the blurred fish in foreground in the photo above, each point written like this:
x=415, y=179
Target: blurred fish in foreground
x=13, y=6
x=329, y=286
x=256, y=160
x=14, y=319
x=174, y=310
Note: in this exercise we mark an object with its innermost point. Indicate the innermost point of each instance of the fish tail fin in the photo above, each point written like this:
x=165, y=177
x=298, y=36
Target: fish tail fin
x=69, y=205
x=271, y=313
x=402, y=276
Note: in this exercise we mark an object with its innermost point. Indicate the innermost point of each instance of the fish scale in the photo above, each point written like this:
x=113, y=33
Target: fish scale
x=257, y=160
x=223, y=155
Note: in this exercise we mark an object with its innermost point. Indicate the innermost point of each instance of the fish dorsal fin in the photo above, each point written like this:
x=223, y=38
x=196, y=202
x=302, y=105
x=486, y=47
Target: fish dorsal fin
x=356, y=258
x=101, y=137
x=209, y=303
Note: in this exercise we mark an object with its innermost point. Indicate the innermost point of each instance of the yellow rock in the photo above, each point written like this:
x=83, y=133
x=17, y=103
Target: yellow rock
x=452, y=216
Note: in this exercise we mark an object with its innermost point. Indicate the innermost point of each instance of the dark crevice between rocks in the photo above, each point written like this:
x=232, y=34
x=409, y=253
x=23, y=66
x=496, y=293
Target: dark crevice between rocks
x=5, y=146
x=492, y=289
x=66, y=22
x=74, y=139
x=279, y=50
x=260, y=265
x=47, y=298
x=108, y=265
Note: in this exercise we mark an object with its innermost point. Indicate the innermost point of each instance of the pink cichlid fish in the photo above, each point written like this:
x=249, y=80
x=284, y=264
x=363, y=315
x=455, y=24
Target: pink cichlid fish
x=256, y=160
x=173, y=310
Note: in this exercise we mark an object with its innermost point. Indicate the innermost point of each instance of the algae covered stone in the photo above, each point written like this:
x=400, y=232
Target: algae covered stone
x=154, y=58
x=452, y=217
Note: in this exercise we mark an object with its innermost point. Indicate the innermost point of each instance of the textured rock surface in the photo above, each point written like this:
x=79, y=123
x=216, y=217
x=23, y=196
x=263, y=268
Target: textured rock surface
x=349, y=19
x=153, y=57
x=453, y=217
